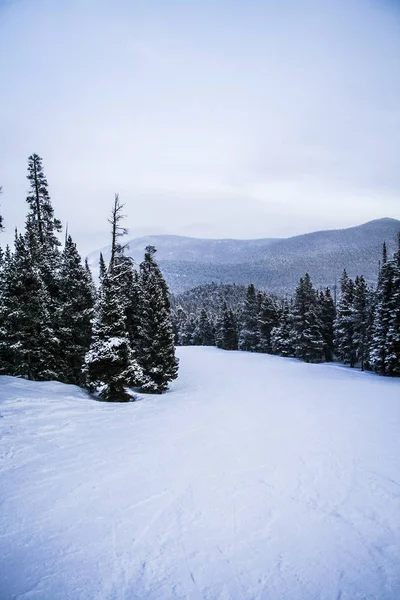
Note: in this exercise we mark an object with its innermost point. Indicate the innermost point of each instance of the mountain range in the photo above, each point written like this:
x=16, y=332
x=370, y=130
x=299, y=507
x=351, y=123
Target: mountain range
x=274, y=264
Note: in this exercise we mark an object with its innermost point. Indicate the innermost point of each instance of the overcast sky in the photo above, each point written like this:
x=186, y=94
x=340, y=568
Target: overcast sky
x=227, y=118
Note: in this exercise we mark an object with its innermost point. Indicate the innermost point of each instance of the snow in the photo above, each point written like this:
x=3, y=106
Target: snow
x=256, y=477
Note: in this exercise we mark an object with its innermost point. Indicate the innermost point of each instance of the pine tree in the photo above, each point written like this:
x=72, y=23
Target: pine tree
x=5, y=356
x=42, y=227
x=226, y=336
x=392, y=350
x=327, y=313
x=282, y=340
x=249, y=338
x=131, y=290
x=175, y=328
x=307, y=337
x=102, y=267
x=204, y=331
x=187, y=329
x=43, y=247
x=75, y=314
x=219, y=327
x=156, y=336
x=344, y=324
x=268, y=318
x=28, y=345
x=360, y=317
x=90, y=281
x=111, y=363
x=196, y=336
x=384, y=309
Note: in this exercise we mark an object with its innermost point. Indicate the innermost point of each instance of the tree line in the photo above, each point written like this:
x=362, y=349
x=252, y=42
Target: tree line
x=55, y=324
x=359, y=328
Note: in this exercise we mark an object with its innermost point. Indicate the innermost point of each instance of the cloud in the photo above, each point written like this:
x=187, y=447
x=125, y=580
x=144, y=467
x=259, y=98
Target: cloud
x=206, y=117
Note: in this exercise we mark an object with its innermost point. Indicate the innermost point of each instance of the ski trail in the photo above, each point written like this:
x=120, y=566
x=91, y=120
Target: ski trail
x=255, y=478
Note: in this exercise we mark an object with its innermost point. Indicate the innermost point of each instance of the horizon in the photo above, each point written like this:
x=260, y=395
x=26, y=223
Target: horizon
x=233, y=239
x=215, y=121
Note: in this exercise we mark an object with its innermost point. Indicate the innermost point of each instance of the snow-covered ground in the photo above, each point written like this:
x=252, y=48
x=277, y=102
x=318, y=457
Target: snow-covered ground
x=256, y=477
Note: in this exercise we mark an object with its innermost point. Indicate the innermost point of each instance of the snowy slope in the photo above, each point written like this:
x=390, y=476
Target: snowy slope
x=256, y=477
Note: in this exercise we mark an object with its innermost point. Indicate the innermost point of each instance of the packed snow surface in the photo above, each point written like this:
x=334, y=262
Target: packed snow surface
x=256, y=477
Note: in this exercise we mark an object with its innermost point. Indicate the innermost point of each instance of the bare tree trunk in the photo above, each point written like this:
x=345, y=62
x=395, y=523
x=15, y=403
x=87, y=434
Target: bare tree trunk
x=116, y=230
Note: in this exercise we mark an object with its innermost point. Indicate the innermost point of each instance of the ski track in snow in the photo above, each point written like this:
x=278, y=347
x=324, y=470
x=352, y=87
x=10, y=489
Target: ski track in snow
x=255, y=478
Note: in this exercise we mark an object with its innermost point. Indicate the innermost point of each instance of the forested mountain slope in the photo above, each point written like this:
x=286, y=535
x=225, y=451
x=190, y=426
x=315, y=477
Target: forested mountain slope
x=272, y=264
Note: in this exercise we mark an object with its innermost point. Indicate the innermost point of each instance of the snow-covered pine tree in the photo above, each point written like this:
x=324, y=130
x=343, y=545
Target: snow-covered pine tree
x=102, y=267
x=42, y=227
x=110, y=363
x=219, y=326
x=43, y=245
x=156, y=349
x=307, y=329
x=226, y=336
x=5, y=355
x=345, y=349
x=74, y=314
x=132, y=302
x=187, y=330
x=196, y=337
x=90, y=281
x=28, y=345
x=282, y=339
x=231, y=339
x=327, y=313
x=249, y=337
x=384, y=309
x=204, y=334
x=268, y=319
x=179, y=318
x=361, y=308
x=392, y=351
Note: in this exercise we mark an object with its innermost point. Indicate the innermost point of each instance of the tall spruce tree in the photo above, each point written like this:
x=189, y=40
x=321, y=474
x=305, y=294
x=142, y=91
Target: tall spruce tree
x=344, y=323
x=392, y=350
x=102, y=267
x=132, y=302
x=42, y=227
x=187, y=330
x=111, y=364
x=249, y=337
x=268, y=318
x=28, y=346
x=384, y=309
x=43, y=247
x=282, y=341
x=90, y=281
x=226, y=336
x=327, y=313
x=5, y=356
x=156, y=335
x=203, y=333
x=75, y=314
x=307, y=329
x=360, y=318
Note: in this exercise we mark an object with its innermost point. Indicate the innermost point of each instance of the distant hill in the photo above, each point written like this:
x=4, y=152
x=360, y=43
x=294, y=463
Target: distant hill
x=272, y=264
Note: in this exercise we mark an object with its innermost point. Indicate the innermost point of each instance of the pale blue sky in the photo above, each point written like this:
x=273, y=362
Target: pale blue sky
x=215, y=119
